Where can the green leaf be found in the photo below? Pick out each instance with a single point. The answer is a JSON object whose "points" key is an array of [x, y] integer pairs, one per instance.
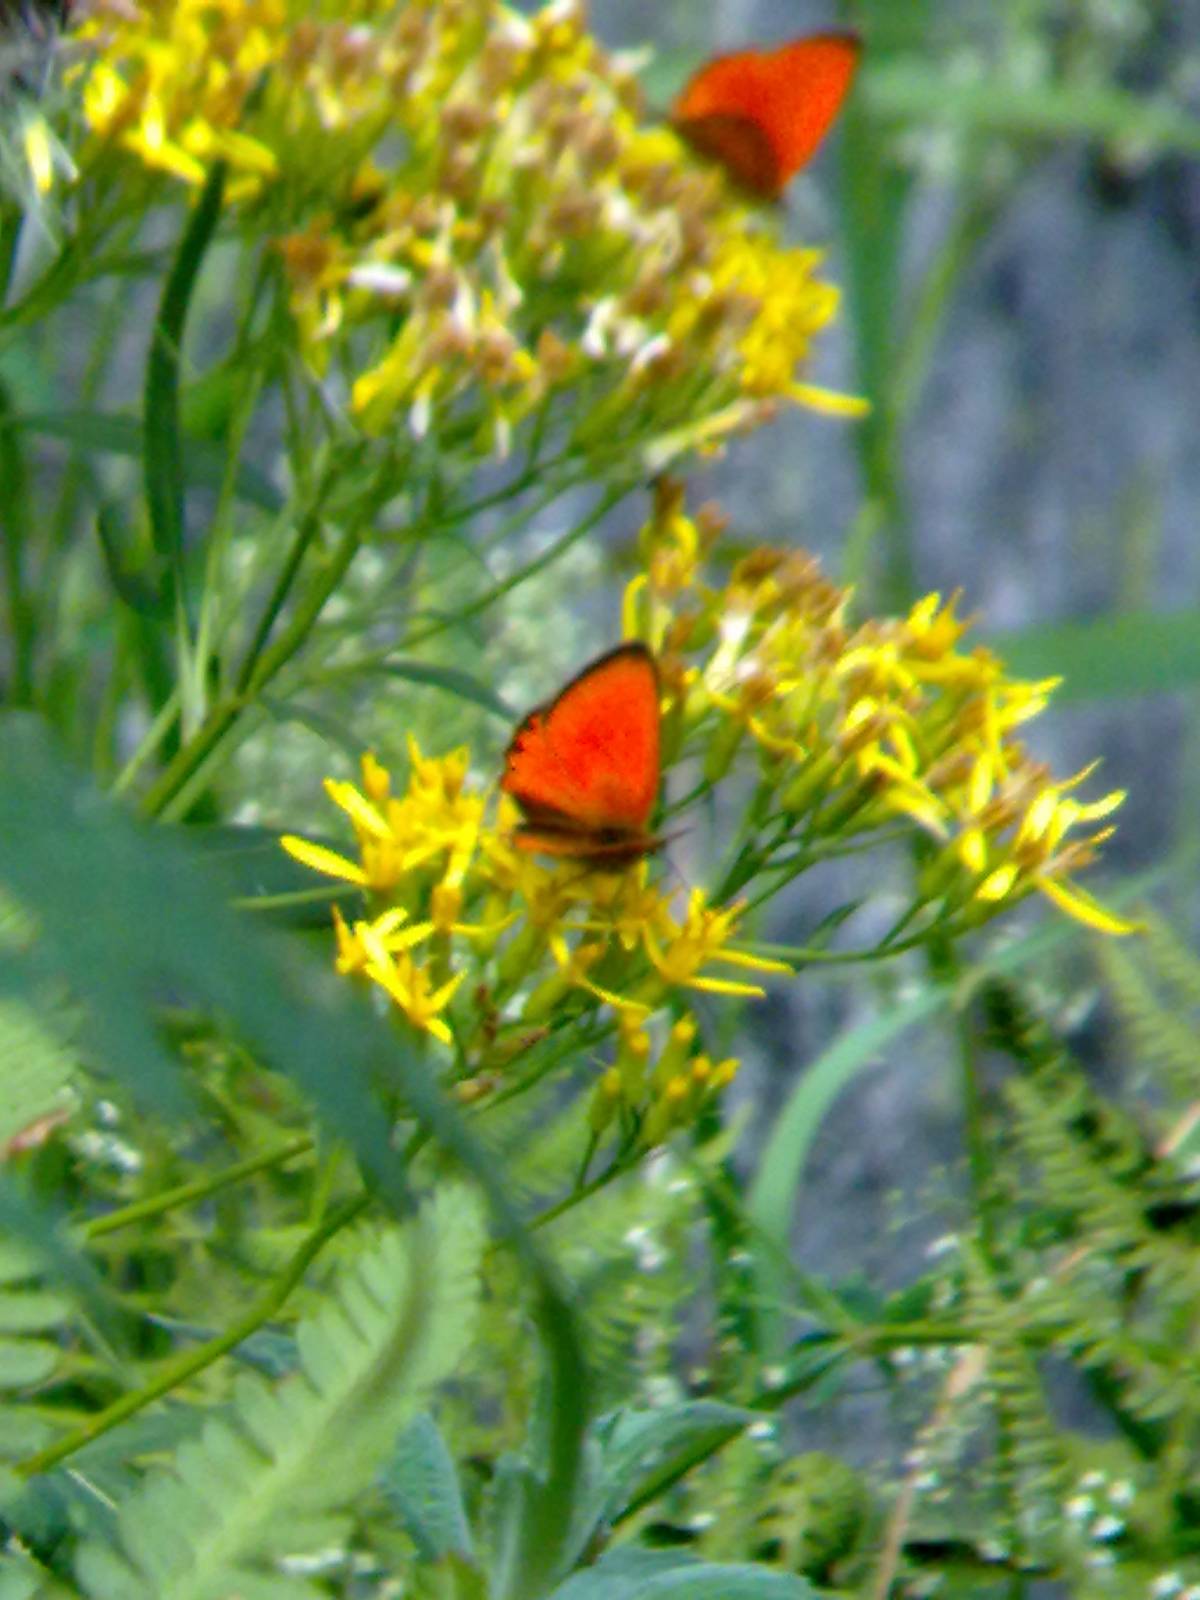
{"points": [[125, 913], [35, 1069], [422, 1483], [16, 531], [670, 1575], [451, 1578], [772, 1196], [27, 1308], [261, 875], [280, 1475], [24, 1362], [164, 457], [23, 1578], [1110, 658], [156, 917], [641, 1452], [33, 1311], [35, 1243]]}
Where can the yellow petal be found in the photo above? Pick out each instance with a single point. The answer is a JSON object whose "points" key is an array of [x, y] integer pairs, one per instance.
{"points": [[320, 859], [751, 991], [358, 808], [1086, 910], [997, 885], [829, 401]]}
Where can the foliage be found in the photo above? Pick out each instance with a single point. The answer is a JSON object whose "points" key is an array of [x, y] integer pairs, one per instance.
{"points": [[373, 1215]]}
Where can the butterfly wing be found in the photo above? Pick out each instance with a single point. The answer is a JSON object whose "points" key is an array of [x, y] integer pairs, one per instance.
{"points": [[585, 768], [763, 113]]}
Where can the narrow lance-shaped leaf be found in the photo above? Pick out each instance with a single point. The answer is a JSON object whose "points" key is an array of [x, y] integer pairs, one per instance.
{"points": [[163, 460]]}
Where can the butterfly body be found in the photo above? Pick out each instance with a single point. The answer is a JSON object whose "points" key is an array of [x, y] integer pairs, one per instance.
{"points": [[585, 767], [762, 113]]}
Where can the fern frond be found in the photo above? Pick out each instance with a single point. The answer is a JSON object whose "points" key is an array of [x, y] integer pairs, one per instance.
{"points": [[1030, 1467], [1174, 962], [628, 1253], [30, 1318], [276, 1478], [1160, 1037], [35, 1069], [542, 1154], [1126, 1281]]}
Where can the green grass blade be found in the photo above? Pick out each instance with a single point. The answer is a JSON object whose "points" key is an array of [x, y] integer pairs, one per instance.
{"points": [[136, 589], [1111, 657], [907, 90], [773, 1195]]}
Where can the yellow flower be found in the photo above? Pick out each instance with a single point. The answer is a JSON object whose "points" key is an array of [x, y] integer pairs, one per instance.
{"points": [[172, 84], [680, 950], [411, 987], [380, 950], [858, 730], [372, 943], [436, 822], [39, 153]]}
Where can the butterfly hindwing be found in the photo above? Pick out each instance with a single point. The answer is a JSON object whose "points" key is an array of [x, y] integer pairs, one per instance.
{"points": [[585, 768]]}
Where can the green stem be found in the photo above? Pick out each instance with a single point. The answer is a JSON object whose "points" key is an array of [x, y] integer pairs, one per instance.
{"points": [[529, 570], [586, 1190], [225, 714], [978, 1154], [803, 956], [309, 528], [947, 969], [182, 1367], [154, 736], [186, 761], [198, 1189]]}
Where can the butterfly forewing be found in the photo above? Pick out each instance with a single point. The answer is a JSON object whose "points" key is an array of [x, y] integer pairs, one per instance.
{"points": [[585, 768], [763, 113]]}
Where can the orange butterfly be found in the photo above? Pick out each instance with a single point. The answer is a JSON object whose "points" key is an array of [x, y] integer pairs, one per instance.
{"points": [[585, 767], [762, 113]]}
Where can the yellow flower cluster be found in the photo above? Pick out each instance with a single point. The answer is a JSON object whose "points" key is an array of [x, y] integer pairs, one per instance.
{"points": [[856, 724], [663, 1094], [471, 212], [542, 942], [856, 729]]}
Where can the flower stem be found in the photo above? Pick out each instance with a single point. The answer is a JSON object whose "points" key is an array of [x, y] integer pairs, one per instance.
{"points": [[198, 1189], [225, 713], [182, 1367]]}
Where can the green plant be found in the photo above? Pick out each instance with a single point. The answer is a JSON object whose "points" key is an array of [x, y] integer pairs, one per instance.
{"points": [[407, 1251]]}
